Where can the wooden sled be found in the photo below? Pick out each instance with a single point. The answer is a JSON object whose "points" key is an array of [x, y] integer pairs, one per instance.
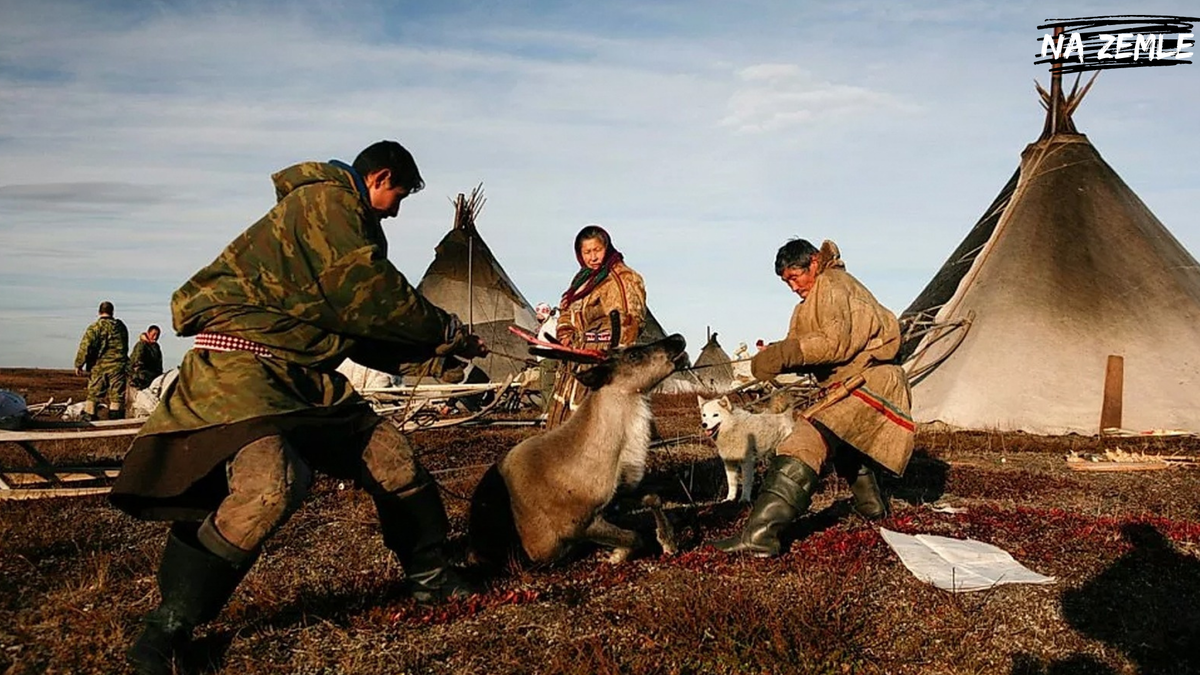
{"points": [[42, 478]]}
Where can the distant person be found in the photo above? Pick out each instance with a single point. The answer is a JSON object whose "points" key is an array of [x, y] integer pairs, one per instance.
{"points": [[759, 345], [229, 453], [145, 361], [604, 283], [547, 317], [838, 331], [104, 356]]}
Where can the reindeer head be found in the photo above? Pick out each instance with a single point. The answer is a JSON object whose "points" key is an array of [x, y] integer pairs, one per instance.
{"points": [[636, 369]]}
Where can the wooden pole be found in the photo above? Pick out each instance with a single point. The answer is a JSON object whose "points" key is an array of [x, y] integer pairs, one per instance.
{"points": [[1114, 391], [1055, 88]]}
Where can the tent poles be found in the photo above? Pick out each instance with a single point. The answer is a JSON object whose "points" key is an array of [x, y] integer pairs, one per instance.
{"points": [[1055, 103]]}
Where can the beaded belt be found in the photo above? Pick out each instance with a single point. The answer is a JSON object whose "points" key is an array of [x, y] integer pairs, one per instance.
{"points": [[598, 336], [219, 342]]}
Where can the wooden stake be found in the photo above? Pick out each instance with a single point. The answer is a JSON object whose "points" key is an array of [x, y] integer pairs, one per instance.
{"points": [[1114, 391]]}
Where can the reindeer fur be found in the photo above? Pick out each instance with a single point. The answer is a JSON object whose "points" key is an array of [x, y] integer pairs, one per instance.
{"points": [[556, 485]]}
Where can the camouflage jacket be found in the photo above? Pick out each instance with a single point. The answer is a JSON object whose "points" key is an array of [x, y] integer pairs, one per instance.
{"points": [[311, 283], [104, 346], [145, 363]]}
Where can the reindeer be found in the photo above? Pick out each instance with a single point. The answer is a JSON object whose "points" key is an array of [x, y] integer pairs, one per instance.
{"points": [[550, 491]]}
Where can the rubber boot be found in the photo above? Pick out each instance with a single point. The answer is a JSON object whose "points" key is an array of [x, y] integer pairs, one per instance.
{"points": [[868, 498], [115, 413], [195, 584], [869, 501], [415, 527], [786, 494]]}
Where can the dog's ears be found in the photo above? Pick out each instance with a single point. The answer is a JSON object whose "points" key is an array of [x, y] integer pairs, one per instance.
{"points": [[700, 400], [725, 403], [597, 376]]}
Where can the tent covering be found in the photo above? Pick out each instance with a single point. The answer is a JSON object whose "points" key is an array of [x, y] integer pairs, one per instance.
{"points": [[1065, 268], [714, 368], [466, 279]]}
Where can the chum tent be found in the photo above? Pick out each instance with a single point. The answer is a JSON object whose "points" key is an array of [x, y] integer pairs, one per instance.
{"points": [[466, 279], [679, 382], [713, 366], [1066, 268]]}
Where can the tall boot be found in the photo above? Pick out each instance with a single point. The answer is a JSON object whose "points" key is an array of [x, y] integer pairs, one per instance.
{"points": [[116, 412], [195, 584], [786, 494], [415, 527], [869, 501]]}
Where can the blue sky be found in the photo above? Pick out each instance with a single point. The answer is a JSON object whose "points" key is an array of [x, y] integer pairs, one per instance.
{"points": [[137, 139]]}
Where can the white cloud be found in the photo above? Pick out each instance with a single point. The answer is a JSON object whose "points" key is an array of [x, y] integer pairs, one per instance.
{"points": [[776, 96]]}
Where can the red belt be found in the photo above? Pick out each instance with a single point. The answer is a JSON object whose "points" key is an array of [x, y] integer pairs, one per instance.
{"points": [[219, 342]]}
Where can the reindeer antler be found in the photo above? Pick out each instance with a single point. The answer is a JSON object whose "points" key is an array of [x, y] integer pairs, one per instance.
{"points": [[557, 350]]}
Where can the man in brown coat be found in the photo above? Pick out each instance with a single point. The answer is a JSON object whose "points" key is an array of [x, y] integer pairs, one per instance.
{"points": [[838, 331]]}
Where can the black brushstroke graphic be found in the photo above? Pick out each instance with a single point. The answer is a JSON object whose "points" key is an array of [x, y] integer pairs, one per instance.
{"points": [[1090, 28]]}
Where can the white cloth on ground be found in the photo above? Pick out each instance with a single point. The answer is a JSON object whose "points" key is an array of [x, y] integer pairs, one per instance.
{"points": [[959, 565]]}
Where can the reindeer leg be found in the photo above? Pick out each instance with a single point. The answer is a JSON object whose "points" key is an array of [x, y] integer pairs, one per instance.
{"points": [[662, 527], [622, 541]]}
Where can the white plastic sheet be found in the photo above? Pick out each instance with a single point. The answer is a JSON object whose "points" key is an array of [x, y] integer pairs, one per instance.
{"points": [[959, 565]]}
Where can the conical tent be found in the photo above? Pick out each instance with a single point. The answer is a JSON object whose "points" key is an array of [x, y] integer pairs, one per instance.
{"points": [[678, 382], [713, 366], [465, 278], [651, 330], [1066, 268]]}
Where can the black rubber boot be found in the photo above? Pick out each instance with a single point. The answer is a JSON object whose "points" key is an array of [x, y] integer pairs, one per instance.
{"points": [[868, 499], [415, 528], [195, 584], [786, 494]]}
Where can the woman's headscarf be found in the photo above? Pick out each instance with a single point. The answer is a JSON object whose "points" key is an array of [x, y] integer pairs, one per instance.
{"points": [[587, 279]]}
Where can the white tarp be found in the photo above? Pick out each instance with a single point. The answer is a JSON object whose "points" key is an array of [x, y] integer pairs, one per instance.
{"points": [[959, 565], [362, 377], [147, 399]]}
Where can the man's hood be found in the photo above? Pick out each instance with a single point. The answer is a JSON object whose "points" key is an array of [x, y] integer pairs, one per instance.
{"points": [[312, 173]]}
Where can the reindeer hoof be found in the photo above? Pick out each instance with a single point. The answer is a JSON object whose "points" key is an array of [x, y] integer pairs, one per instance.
{"points": [[619, 555]]}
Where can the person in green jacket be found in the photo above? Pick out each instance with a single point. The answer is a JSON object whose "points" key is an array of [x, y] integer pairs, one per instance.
{"points": [[103, 357], [229, 452], [145, 361]]}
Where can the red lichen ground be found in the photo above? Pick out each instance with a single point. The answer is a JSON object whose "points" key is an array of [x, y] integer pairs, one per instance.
{"points": [[75, 574]]}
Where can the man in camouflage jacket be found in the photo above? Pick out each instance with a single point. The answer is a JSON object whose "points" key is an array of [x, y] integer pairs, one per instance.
{"points": [[145, 361], [228, 454], [103, 355], [838, 332]]}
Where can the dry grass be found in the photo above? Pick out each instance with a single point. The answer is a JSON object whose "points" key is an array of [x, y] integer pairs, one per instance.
{"points": [[75, 575]]}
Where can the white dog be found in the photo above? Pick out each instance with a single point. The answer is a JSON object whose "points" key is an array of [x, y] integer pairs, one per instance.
{"points": [[742, 438]]}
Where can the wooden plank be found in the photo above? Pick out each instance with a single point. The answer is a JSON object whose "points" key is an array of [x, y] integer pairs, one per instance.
{"points": [[20, 436], [19, 495], [1114, 392], [24, 477], [42, 425], [1117, 466]]}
